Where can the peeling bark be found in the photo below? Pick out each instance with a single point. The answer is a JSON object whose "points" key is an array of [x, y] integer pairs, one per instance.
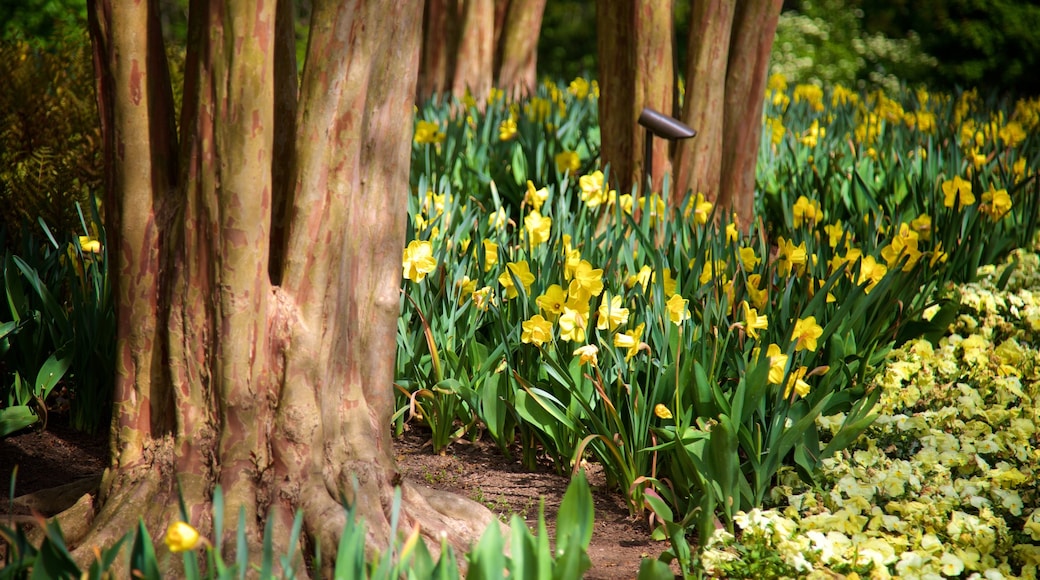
{"points": [[257, 268]]}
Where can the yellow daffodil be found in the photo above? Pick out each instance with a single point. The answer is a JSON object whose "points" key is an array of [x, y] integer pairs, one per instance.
{"points": [[498, 218], [996, 203], [642, 277], [587, 281], [611, 314], [89, 245], [662, 412], [483, 298], [570, 264], [507, 129], [670, 284], [587, 354], [791, 257], [567, 162], [537, 330], [834, 233], [753, 322], [700, 208], [490, 255], [466, 288], [922, 226], [777, 364], [536, 197], [957, 191], [758, 296], [552, 300], [573, 323], [796, 382], [593, 190], [579, 87], [182, 537], [428, 132], [629, 341], [805, 334], [418, 260], [806, 212], [520, 271], [870, 273], [678, 309], [749, 259], [537, 228]]}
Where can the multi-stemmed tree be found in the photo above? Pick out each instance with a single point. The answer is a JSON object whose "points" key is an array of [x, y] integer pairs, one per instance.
{"points": [[256, 250]]}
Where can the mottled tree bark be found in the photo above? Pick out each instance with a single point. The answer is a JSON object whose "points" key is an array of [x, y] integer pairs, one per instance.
{"points": [[518, 47], [634, 40], [475, 59], [475, 44], [728, 61], [272, 380]]}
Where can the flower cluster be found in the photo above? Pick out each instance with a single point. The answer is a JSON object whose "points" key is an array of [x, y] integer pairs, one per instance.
{"points": [[944, 483]]}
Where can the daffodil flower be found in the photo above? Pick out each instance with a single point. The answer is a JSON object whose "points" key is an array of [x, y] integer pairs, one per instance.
{"points": [[418, 260], [181, 537], [536, 331], [805, 334]]}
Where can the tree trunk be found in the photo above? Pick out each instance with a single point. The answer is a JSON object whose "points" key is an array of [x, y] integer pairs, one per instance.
{"points": [[270, 380], [634, 40], [754, 29], [728, 60], [518, 47], [698, 161], [471, 44], [474, 63]]}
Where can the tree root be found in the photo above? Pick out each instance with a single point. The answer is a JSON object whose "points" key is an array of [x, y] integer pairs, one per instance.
{"points": [[442, 518]]}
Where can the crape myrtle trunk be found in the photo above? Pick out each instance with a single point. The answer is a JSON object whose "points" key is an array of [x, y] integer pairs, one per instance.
{"points": [[257, 267], [725, 76]]}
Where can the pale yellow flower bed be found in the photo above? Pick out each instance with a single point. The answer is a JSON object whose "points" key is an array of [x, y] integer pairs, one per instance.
{"points": [[944, 484]]}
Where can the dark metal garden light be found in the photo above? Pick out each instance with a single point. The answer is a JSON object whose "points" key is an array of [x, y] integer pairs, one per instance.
{"points": [[663, 126]]}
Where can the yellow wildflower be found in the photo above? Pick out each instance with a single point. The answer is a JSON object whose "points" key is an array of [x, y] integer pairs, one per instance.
{"points": [[996, 203], [537, 228], [522, 272], [629, 341], [662, 412], [805, 334], [536, 197], [567, 162], [182, 537], [701, 209], [957, 191], [552, 300], [587, 354], [593, 190], [507, 129], [806, 212], [428, 132], [418, 261], [490, 254], [678, 309], [796, 382], [752, 321], [587, 281], [573, 323], [612, 314], [536, 331]]}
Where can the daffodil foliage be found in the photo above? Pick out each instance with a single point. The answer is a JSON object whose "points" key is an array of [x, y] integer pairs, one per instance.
{"points": [[699, 360]]}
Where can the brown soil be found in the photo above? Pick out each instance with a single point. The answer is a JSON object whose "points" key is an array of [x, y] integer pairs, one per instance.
{"points": [[478, 471]]}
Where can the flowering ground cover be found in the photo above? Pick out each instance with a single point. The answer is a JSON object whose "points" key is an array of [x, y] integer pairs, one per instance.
{"points": [[707, 365], [944, 483]]}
